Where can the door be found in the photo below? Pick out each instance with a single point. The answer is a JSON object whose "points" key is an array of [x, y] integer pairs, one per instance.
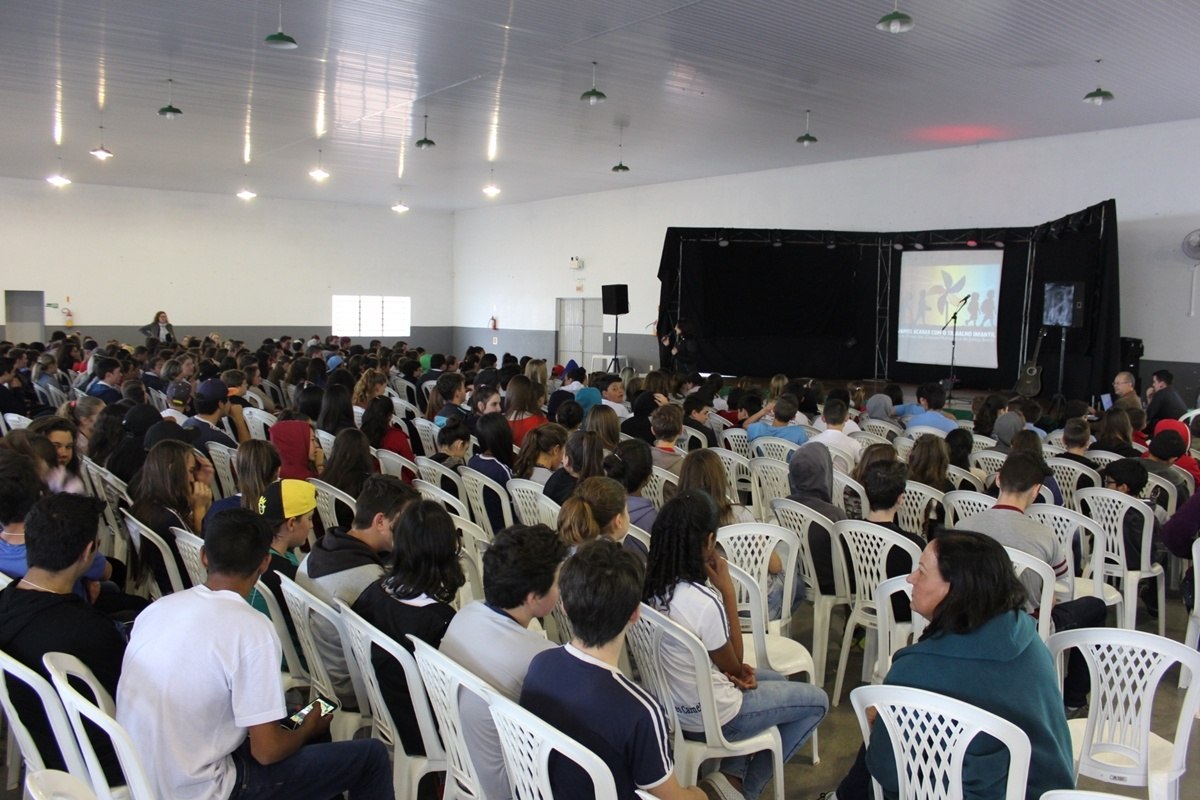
{"points": [[580, 331], [24, 316]]}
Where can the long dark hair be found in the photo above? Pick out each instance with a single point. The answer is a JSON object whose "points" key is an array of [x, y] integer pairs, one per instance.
{"points": [[631, 464], [677, 543], [425, 548], [495, 437], [982, 583], [377, 419], [336, 412], [164, 482], [350, 462], [542, 439], [585, 454]]}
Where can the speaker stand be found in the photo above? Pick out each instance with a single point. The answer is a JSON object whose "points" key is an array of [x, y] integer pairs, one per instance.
{"points": [[1062, 354], [614, 366]]}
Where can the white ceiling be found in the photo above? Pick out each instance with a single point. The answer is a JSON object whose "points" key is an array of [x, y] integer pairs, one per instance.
{"points": [[706, 87]]}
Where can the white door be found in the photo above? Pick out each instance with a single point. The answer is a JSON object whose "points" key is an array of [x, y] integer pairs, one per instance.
{"points": [[24, 317], [580, 330]]}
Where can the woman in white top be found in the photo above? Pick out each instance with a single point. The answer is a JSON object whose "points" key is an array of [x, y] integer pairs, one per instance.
{"points": [[541, 453], [683, 561]]}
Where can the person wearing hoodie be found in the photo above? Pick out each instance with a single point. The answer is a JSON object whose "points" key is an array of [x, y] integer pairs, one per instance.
{"points": [[130, 452], [980, 648], [810, 473], [1008, 425], [41, 613], [300, 454], [344, 562]]}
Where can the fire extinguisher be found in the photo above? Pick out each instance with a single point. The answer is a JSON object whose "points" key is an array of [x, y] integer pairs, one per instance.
{"points": [[68, 317]]}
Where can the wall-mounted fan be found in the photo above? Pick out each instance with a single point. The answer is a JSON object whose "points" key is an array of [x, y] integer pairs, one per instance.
{"points": [[1191, 249]]}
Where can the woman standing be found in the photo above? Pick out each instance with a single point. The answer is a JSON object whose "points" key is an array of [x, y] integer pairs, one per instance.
{"points": [[160, 329]]}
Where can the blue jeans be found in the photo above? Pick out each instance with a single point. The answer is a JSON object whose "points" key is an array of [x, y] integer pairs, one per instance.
{"points": [[317, 771], [795, 708]]}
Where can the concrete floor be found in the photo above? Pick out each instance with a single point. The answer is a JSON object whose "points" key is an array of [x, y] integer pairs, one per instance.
{"points": [[840, 736]]}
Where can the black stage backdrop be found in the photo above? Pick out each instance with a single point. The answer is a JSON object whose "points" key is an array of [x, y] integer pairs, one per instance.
{"points": [[810, 302]]}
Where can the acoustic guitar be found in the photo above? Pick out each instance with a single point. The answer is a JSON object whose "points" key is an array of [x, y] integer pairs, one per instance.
{"points": [[1029, 383]]}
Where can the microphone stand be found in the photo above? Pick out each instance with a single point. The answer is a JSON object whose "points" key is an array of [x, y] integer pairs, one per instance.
{"points": [[953, 321]]}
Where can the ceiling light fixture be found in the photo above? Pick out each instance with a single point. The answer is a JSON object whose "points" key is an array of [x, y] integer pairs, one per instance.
{"points": [[593, 96], [280, 40], [1098, 97], [620, 165], [319, 174], [424, 143], [169, 111], [807, 138], [400, 208], [57, 179], [895, 22], [491, 190], [102, 153], [247, 195]]}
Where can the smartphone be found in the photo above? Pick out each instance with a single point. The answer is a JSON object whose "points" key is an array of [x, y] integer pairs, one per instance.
{"points": [[295, 720]]}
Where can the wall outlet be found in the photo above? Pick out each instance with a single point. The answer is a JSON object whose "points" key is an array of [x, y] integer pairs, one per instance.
{"points": [[495, 340]]}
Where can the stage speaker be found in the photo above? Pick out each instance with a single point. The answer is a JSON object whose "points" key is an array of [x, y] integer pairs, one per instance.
{"points": [[1062, 304], [616, 298], [1131, 359]]}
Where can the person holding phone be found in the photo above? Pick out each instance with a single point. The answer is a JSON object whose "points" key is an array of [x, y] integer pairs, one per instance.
{"points": [[201, 696]]}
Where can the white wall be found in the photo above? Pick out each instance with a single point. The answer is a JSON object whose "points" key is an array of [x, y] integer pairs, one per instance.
{"points": [[120, 254], [515, 259]]}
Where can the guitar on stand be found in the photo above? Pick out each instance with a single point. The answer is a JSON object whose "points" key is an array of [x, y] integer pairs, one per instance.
{"points": [[1029, 382]]}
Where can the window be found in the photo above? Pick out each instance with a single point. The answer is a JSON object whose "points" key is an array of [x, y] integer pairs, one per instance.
{"points": [[371, 315]]}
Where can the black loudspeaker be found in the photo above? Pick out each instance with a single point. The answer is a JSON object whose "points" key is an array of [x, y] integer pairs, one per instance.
{"points": [[616, 298], [1131, 359], [1062, 304]]}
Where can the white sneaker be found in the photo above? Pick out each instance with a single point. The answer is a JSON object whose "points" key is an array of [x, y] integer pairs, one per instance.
{"points": [[718, 787]]}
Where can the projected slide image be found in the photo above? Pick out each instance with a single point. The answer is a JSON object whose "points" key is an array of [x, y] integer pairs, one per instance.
{"points": [[933, 285]]}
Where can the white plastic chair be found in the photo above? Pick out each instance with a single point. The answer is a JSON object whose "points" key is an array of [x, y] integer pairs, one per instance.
{"points": [[327, 499], [737, 472], [958, 476], [113, 491], [961, 505], [477, 484], [395, 464], [691, 439], [799, 519], [141, 535], [867, 438], [189, 545], [16, 422], [549, 510], [474, 542], [303, 606], [447, 684], [930, 734], [988, 460], [904, 446], [1103, 458], [1070, 474], [843, 484], [894, 635], [646, 639], [655, 489], [431, 491], [405, 409], [1166, 488], [1067, 524], [868, 545], [60, 726], [1191, 637], [1115, 743], [221, 457], [1079, 794], [258, 422], [749, 545], [735, 439], [524, 494], [882, 427], [441, 476], [1109, 508], [773, 447], [527, 743], [325, 439], [980, 442], [293, 666], [427, 431], [770, 480], [1023, 561], [53, 784], [359, 639], [919, 504], [100, 713], [917, 431], [639, 536]]}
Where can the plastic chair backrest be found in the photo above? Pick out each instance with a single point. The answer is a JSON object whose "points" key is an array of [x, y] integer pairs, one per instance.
{"points": [[962, 505], [655, 489], [930, 734], [1126, 668], [404, 408], [869, 545], [867, 438], [917, 431], [141, 534], [639, 536], [53, 784], [524, 494], [427, 431], [549, 511], [16, 422], [1065, 523], [477, 484], [258, 421], [691, 439], [302, 605], [527, 743], [326, 439], [60, 726], [882, 427], [439, 474], [843, 483], [291, 659], [446, 682], [958, 476], [327, 499], [749, 546], [735, 439], [360, 638], [771, 475], [222, 461], [1069, 473], [1023, 561], [980, 442], [395, 464], [737, 471], [1103, 458], [919, 503], [1189, 480], [893, 635], [904, 446], [1054, 437], [773, 447], [62, 667], [436, 493], [1164, 486], [1109, 508], [799, 518], [189, 545]]}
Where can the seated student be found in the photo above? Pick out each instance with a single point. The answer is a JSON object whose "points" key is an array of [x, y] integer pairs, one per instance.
{"points": [[520, 584], [1128, 476], [638, 423], [597, 509], [414, 598], [541, 453], [201, 698], [1137, 421], [43, 613], [810, 476], [107, 380], [1116, 434], [683, 561], [569, 415], [1076, 437], [447, 398], [849, 426], [1186, 462], [344, 562], [1166, 448], [286, 507], [605, 423], [785, 410], [835, 430], [931, 398], [696, 408], [179, 399], [667, 423], [453, 440], [256, 465], [378, 424], [583, 457], [300, 453], [494, 459], [631, 464], [579, 689], [884, 482], [522, 408], [212, 406], [612, 394]]}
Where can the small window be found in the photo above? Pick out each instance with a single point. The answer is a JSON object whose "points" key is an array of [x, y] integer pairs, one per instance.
{"points": [[371, 315]]}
